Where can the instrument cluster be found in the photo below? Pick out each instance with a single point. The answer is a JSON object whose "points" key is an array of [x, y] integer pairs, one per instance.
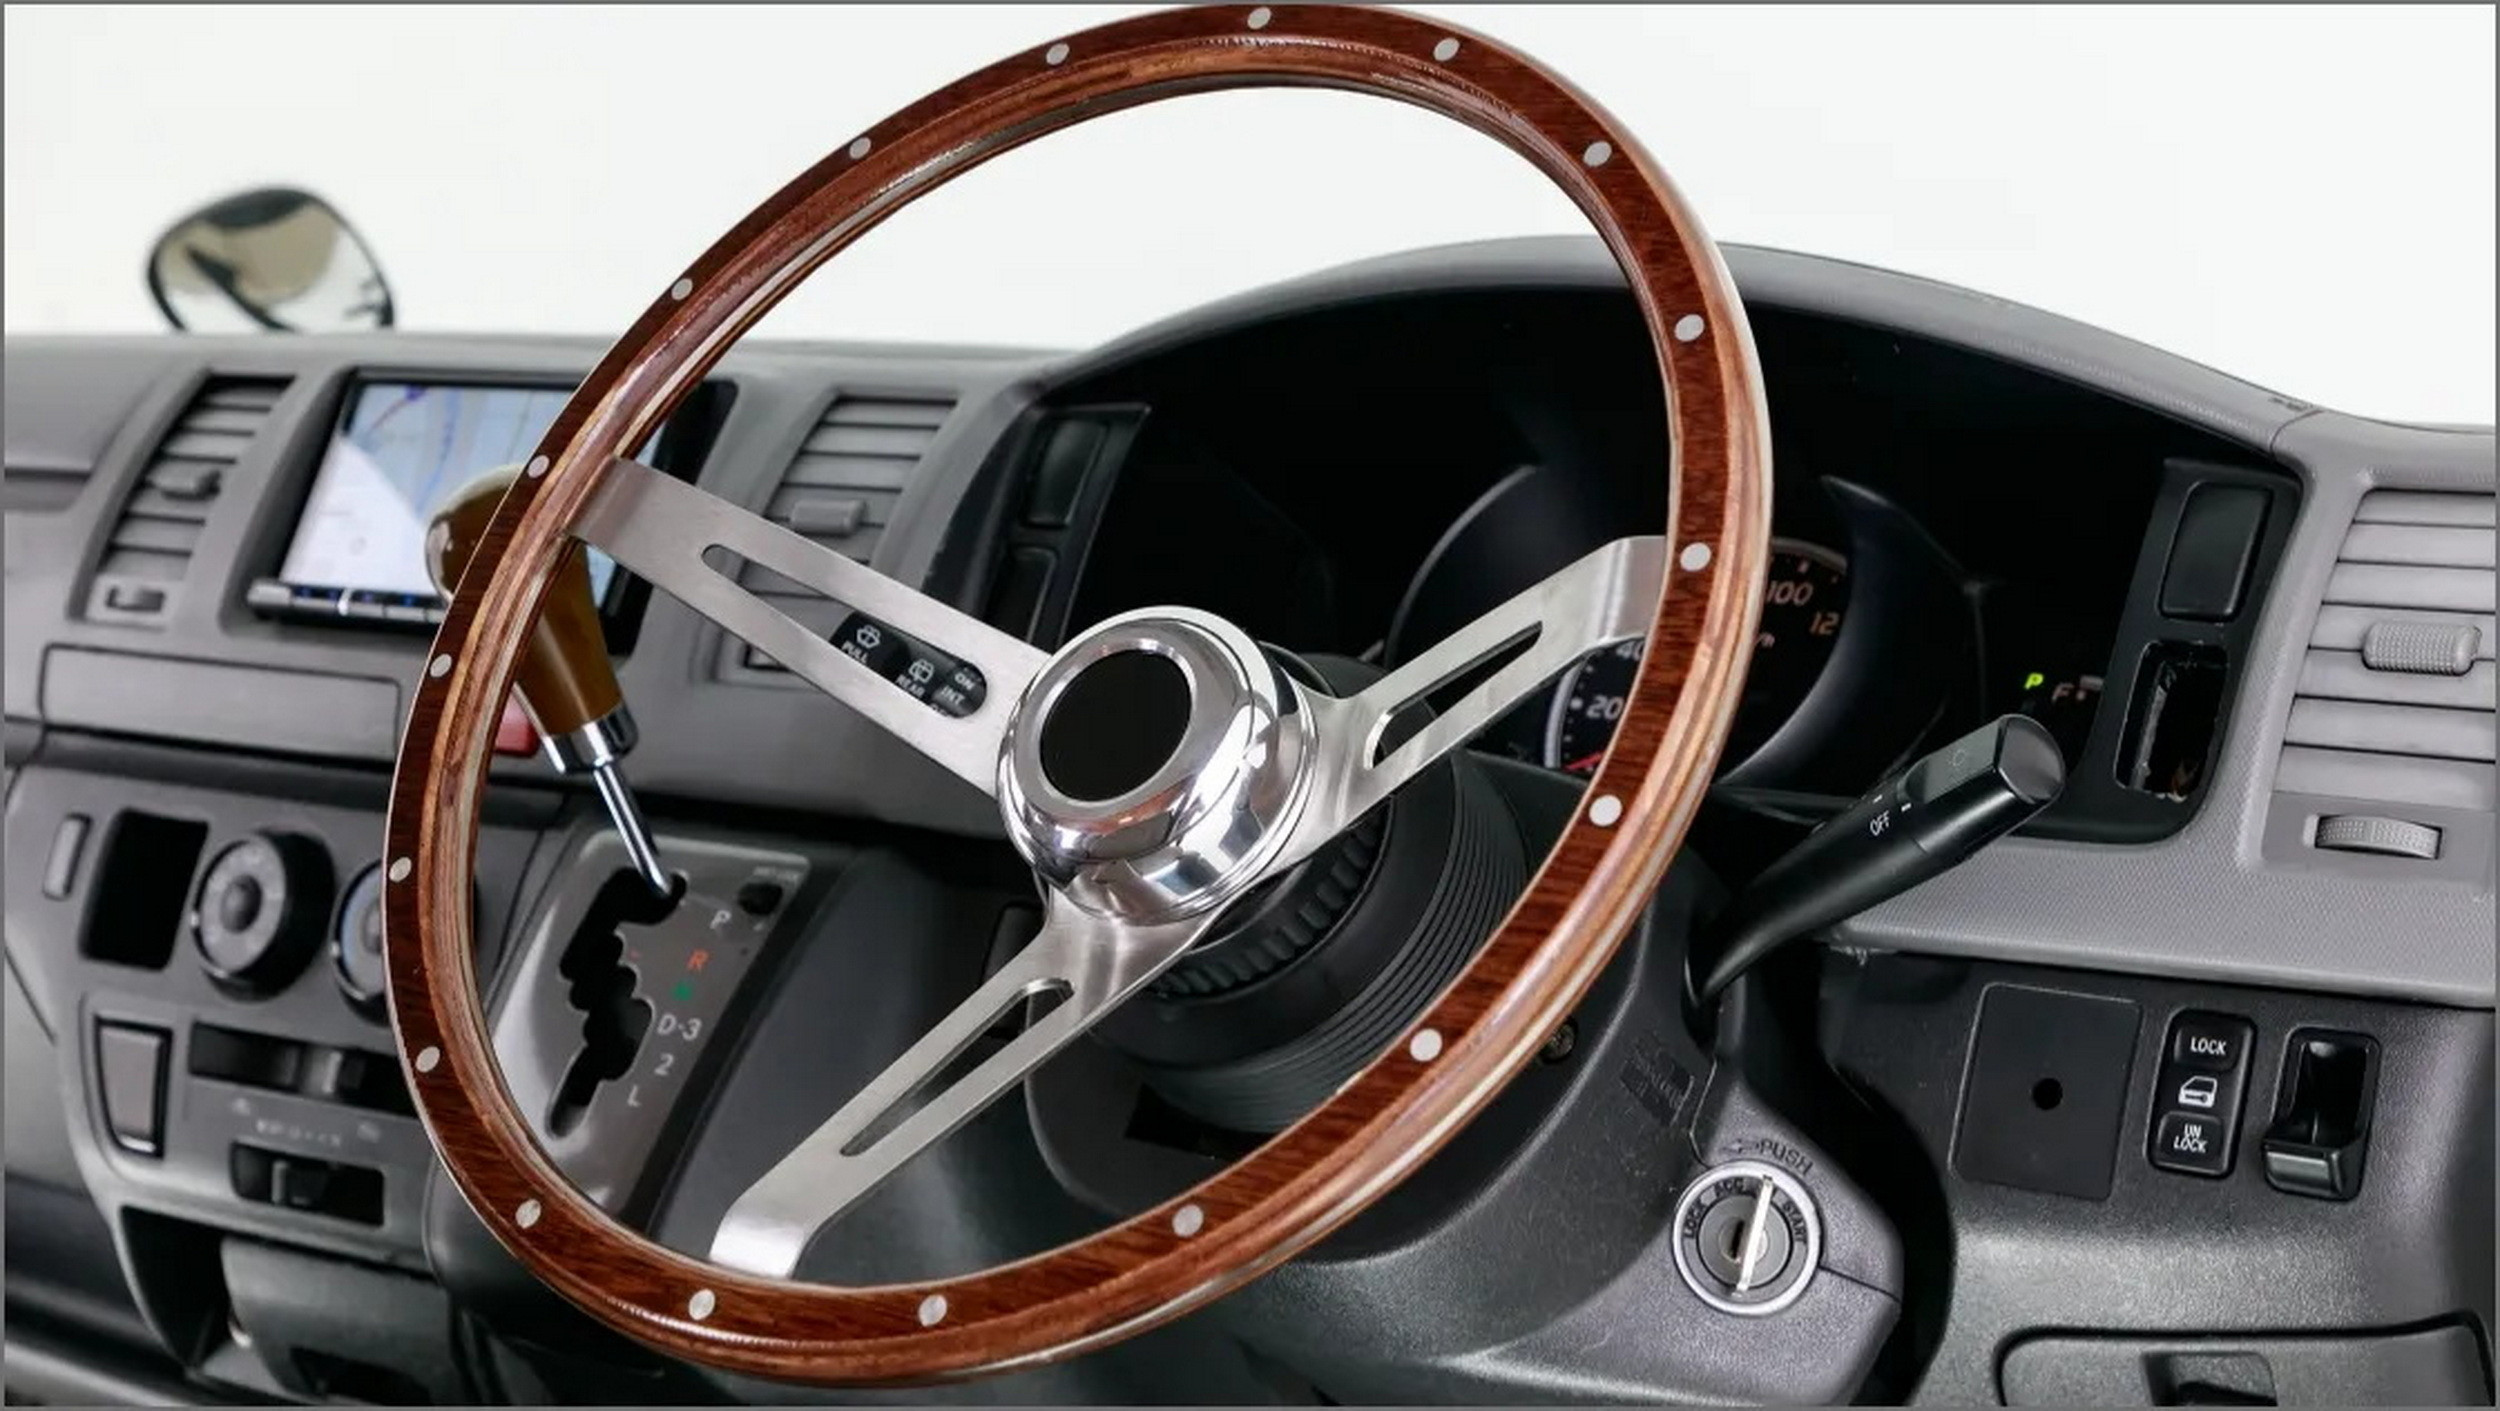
{"points": [[1874, 639]]}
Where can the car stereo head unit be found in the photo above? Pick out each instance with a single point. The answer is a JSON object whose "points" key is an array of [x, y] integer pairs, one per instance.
{"points": [[400, 448]]}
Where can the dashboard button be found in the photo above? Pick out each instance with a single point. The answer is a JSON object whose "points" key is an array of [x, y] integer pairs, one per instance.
{"points": [[2213, 1043], [760, 898], [60, 870], [2192, 1142], [2389, 837], [2213, 552], [130, 1079]]}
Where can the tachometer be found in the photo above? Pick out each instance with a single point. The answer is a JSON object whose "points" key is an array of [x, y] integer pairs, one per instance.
{"points": [[1802, 608]]}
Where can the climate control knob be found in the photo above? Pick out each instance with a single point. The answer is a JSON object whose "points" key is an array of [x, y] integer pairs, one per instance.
{"points": [[356, 944], [261, 910]]}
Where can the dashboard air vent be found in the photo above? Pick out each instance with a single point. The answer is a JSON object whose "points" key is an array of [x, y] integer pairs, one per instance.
{"points": [[840, 491], [842, 486], [160, 524], [2395, 697]]}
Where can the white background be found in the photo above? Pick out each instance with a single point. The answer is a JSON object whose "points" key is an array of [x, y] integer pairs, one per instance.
{"points": [[2301, 196]]}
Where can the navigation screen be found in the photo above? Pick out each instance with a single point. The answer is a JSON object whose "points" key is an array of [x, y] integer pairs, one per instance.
{"points": [[401, 449]]}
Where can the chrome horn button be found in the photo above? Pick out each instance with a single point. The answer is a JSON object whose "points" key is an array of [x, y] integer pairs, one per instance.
{"points": [[1153, 763]]}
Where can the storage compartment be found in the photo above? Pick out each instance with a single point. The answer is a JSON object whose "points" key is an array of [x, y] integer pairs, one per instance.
{"points": [[325, 1328], [2321, 1132], [2173, 719], [140, 888]]}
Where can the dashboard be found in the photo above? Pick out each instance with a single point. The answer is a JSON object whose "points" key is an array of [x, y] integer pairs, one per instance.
{"points": [[1921, 581], [215, 603]]}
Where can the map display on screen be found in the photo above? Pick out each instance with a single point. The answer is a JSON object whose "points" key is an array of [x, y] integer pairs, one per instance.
{"points": [[400, 451]]}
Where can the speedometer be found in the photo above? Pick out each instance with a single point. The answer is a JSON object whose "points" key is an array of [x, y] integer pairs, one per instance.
{"points": [[1802, 608]]}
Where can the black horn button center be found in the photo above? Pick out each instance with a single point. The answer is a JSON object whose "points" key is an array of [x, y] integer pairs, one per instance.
{"points": [[1115, 724]]}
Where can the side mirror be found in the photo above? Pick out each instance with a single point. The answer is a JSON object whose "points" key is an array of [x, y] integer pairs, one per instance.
{"points": [[271, 258]]}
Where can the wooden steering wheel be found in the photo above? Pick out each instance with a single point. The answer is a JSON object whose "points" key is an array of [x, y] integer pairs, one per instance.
{"points": [[1259, 770]]}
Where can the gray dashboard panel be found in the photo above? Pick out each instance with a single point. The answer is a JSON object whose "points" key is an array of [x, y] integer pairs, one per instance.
{"points": [[2207, 902], [2211, 901]]}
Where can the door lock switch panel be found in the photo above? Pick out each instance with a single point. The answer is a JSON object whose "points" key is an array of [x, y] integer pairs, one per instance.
{"points": [[2197, 1092]]}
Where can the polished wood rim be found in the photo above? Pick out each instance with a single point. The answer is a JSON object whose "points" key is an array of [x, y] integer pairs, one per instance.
{"points": [[1320, 1172]]}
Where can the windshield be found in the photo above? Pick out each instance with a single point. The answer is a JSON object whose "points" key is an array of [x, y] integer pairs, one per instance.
{"points": [[2300, 196]]}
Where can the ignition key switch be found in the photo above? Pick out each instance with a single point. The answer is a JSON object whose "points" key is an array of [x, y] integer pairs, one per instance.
{"points": [[1747, 1238]]}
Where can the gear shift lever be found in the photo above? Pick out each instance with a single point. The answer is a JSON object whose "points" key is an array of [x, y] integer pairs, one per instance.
{"points": [[565, 681]]}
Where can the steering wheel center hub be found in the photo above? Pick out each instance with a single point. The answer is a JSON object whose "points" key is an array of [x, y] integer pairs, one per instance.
{"points": [[1152, 764]]}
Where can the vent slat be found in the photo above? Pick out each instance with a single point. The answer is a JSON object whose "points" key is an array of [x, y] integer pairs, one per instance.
{"points": [[2395, 779], [170, 536], [900, 442], [2433, 546], [851, 472], [2342, 676], [883, 411], [227, 446], [134, 563], [2389, 586], [2391, 729], [239, 421], [257, 394], [2424, 507], [149, 503]]}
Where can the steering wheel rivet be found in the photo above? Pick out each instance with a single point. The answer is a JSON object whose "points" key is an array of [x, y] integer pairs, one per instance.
{"points": [[1260, 16], [1445, 51], [1695, 558], [536, 468], [933, 1310], [1607, 811], [528, 1214], [701, 1305], [440, 664], [1688, 328], [400, 868], [1425, 1046], [1055, 55], [1597, 153], [681, 288], [428, 1057], [859, 147], [1188, 1220]]}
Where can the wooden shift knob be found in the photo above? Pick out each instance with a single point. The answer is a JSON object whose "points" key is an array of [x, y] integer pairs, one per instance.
{"points": [[565, 678]]}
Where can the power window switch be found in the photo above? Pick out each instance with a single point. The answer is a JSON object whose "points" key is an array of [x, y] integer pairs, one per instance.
{"points": [[130, 1080]]}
